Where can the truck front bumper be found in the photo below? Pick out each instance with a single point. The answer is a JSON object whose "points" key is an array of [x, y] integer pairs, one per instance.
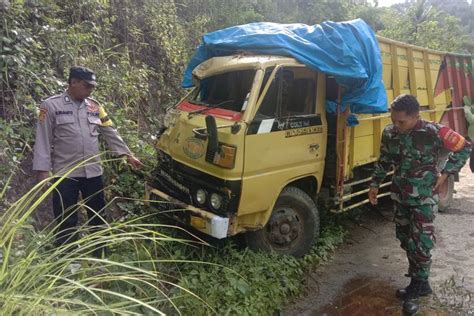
{"points": [[204, 221]]}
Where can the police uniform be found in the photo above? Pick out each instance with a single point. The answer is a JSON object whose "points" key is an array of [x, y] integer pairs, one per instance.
{"points": [[415, 156], [66, 135]]}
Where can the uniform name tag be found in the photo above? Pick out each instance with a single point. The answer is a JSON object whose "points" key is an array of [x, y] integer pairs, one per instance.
{"points": [[63, 113]]}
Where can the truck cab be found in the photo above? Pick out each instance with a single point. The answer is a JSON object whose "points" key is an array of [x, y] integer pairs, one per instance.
{"points": [[250, 148], [245, 151]]}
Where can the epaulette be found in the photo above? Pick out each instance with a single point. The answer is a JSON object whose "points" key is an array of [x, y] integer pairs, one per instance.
{"points": [[51, 98], [94, 101], [390, 128], [433, 127]]}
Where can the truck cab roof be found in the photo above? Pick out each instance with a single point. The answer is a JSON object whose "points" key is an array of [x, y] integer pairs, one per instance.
{"points": [[218, 65]]}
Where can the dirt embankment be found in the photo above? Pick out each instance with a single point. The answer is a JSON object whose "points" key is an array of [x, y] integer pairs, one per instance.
{"points": [[23, 181], [366, 270]]}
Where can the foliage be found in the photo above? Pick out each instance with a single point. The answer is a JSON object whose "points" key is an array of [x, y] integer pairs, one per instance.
{"points": [[14, 143], [464, 11], [139, 49], [371, 15], [424, 25], [262, 281], [148, 271], [252, 283], [37, 277]]}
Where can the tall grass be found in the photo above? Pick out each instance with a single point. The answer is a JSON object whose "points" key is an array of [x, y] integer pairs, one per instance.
{"points": [[147, 272], [39, 278]]}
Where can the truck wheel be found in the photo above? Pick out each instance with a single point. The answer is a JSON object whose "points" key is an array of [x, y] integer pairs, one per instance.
{"points": [[293, 227], [446, 192]]}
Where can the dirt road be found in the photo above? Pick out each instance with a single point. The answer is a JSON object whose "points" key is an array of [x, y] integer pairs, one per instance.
{"points": [[365, 271]]}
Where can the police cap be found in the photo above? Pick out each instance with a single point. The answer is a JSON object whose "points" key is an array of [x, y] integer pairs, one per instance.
{"points": [[83, 73]]}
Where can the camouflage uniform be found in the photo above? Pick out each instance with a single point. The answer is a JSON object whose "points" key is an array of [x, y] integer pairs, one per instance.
{"points": [[415, 156]]}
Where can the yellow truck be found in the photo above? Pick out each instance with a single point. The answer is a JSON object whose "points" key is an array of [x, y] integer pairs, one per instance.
{"points": [[251, 148]]}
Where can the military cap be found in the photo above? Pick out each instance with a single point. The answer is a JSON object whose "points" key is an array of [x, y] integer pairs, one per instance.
{"points": [[82, 73]]}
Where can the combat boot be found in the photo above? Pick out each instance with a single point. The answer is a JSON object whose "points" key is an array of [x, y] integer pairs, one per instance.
{"points": [[402, 293], [419, 288], [423, 289], [410, 307]]}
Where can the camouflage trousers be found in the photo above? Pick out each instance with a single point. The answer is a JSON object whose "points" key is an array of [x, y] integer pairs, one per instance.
{"points": [[415, 230]]}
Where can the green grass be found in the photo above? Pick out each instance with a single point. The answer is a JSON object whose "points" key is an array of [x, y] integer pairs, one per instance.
{"points": [[37, 278], [251, 283], [153, 268]]}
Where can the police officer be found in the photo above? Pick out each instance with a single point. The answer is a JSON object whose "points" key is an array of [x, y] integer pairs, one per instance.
{"points": [[413, 146], [67, 134]]}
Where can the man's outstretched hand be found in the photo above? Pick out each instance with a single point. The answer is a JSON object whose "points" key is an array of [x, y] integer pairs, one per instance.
{"points": [[373, 195], [134, 162], [440, 181]]}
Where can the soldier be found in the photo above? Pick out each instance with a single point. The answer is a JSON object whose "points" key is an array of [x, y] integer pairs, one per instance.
{"points": [[413, 146], [67, 134]]}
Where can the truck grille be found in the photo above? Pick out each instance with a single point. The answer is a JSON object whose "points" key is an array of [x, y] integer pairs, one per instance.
{"points": [[181, 182]]}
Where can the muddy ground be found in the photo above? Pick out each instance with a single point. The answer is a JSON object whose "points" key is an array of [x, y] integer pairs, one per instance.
{"points": [[365, 271]]}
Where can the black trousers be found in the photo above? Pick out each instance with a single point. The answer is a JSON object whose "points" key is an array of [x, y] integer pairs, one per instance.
{"points": [[65, 207]]}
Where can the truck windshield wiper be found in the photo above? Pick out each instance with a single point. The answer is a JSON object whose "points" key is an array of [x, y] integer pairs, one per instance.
{"points": [[190, 114]]}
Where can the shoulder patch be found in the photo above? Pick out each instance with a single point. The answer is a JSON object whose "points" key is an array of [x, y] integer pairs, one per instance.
{"points": [[434, 127], [93, 101], [42, 114], [92, 106], [451, 140]]}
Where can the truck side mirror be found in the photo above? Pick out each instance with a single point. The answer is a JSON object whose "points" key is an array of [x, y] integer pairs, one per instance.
{"points": [[212, 138]]}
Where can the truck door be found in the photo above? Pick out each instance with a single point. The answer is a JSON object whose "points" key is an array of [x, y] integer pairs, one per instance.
{"points": [[285, 140]]}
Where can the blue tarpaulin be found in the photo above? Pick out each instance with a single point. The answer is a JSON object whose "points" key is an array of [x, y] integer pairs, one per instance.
{"points": [[347, 50]]}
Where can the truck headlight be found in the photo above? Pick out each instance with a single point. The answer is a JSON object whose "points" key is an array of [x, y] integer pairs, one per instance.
{"points": [[216, 201], [201, 196]]}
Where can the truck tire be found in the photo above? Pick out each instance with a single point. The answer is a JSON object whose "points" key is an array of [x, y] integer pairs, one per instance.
{"points": [[293, 227], [446, 192]]}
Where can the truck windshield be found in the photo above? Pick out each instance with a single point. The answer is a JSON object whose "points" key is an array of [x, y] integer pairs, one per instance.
{"points": [[228, 91]]}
